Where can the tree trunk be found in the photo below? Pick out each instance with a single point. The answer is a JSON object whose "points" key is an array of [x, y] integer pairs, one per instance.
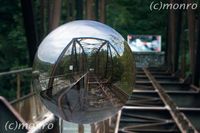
{"points": [[97, 9], [70, 10], [191, 36], [43, 16], [102, 11], [90, 9], [54, 14], [197, 59], [29, 28], [79, 9]]}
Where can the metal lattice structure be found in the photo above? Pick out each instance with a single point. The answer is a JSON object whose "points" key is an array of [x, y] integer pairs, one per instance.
{"points": [[161, 102]]}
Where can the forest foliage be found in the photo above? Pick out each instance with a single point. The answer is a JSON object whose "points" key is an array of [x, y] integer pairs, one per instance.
{"points": [[126, 16]]}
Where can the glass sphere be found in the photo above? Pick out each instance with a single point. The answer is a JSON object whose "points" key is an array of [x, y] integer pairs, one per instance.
{"points": [[84, 71]]}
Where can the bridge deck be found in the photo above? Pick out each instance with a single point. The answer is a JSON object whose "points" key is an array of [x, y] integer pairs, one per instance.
{"points": [[161, 102]]}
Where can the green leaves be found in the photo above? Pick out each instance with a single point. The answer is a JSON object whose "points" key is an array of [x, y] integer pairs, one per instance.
{"points": [[12, 39], [135, 17]]}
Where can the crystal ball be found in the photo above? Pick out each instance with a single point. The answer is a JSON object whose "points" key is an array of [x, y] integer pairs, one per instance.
{"points": [[84, 71]]}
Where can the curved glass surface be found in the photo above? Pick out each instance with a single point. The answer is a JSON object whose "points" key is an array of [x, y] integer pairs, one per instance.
{"points": [[84, 71]]}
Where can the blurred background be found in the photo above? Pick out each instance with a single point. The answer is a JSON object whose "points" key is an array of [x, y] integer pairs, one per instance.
{"points": [[24, 23]]}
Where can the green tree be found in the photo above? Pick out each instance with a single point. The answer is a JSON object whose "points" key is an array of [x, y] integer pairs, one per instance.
{"points": [[135, 17]]}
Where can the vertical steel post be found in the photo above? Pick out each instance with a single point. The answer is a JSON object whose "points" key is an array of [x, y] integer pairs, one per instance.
{"points": [[178, 38], [167, 42], [173, 37], [191, 35], [197, 60], [18, 86]]}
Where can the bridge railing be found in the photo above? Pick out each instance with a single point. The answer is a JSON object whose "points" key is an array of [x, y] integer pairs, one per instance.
{"points": [[19, 81], [24, 101], [32, 110]]}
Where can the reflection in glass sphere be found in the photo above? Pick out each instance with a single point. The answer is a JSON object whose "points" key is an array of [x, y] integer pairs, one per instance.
{"points": [[84, 71]]}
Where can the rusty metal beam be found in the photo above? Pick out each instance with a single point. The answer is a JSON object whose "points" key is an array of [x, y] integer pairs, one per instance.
{"points": [[181, 120], [16, 71], [171, 38], [146, 119]]}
